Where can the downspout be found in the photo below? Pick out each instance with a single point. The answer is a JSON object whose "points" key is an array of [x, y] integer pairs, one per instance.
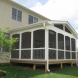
{"points": [[47, 57]]}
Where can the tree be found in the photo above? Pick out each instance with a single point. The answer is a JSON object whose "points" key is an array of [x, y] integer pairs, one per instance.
{"points": [[4, 41]]}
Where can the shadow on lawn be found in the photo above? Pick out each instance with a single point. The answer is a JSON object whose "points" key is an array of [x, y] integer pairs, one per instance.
{"points": [[20, 72], [73, 71]]}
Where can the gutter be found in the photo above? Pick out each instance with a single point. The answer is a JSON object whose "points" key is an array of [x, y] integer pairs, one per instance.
{"points": [[27, 26]]}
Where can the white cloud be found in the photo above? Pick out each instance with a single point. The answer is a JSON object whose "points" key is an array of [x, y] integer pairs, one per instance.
{"points": [[76, 21], [57, 9], [60, 10]]}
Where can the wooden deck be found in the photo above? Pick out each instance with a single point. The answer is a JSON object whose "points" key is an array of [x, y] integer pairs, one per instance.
{"points": [[44, 62]]}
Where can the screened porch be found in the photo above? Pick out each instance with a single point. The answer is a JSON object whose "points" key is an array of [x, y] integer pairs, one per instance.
{"points": [[43, 44]]}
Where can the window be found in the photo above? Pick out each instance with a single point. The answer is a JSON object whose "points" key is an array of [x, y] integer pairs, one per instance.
{"points": [[66, 29], [16, 45], [60, 26], [60, 41], [67, 42], [19, 16], [73, 44], [14, 13], [35, 19], [52, 39], [26, 40], [32, 19], [39, 38]]}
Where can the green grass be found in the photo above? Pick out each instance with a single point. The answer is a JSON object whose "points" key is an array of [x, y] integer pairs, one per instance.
{"points": [[19, 72]]}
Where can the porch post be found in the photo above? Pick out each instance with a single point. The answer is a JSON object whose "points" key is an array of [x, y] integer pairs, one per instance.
{"points": [[32, 45], [64, 48], [46, 44], [46, 48], [20, 45], [76, 52], [64, 44], [56, 46]]}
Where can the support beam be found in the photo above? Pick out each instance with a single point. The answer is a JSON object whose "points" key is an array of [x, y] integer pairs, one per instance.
{"points": [[34, 67], [45, 67], [71, 64], [61, 65]]}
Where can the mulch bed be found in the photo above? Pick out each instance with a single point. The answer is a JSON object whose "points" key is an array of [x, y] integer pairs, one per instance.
{"points": [[2, 74]]}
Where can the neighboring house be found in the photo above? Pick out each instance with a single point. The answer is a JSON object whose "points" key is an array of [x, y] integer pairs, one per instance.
{"points": [[41, 41]]}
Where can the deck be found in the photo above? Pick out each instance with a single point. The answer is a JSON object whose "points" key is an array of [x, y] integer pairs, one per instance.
{"points": [[44, 62]]}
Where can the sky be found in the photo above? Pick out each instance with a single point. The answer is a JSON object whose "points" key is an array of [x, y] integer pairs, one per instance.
{"points": [[66, 10]]}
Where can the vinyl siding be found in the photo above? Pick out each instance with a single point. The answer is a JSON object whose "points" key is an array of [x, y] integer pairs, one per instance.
{"points": [[6, 15]]}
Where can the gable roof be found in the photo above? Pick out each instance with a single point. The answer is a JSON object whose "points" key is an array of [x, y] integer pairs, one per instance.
{"points": [[65, 22]]}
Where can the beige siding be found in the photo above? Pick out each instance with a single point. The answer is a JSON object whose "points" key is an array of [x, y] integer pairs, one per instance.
{"points": [[6, 15]]}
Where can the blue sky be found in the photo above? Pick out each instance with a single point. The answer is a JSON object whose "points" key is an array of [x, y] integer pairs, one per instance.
{"points": [[30, 3], [66, 10]]}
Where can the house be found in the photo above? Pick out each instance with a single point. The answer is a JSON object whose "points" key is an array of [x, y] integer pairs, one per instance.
{"points": [[41, 41]]}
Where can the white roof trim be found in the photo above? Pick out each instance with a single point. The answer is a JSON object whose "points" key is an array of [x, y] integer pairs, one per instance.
{"points": [[28, 26], [64, 22], [42, 23]]}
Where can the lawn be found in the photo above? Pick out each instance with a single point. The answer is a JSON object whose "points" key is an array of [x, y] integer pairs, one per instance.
{"points": [[19, 72]]}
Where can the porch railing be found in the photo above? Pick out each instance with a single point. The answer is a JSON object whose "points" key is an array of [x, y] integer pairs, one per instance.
{"points": [[38, 54]]}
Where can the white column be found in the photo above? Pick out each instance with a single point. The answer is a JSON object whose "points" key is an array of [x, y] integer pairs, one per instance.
{"points": [[46, 44], [64, 49], [56, 46], [32, 45], [46, 48], [76, 52], [20, 45]]}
